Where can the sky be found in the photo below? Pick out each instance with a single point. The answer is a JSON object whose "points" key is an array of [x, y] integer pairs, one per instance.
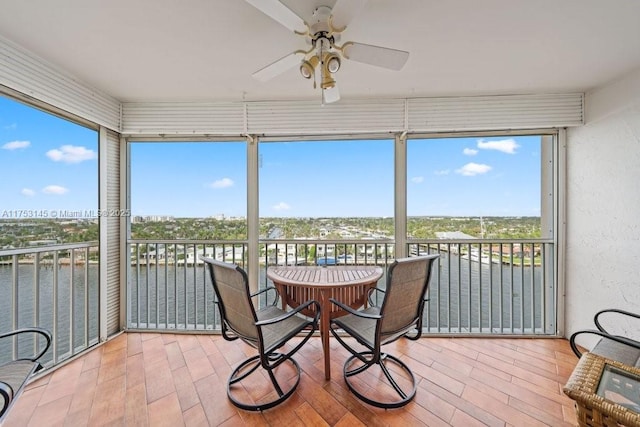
{"points": [[50, 166], [47, 165]]}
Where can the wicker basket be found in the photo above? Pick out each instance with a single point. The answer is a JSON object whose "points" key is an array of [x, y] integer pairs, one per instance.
{"points": [[593, 410]]}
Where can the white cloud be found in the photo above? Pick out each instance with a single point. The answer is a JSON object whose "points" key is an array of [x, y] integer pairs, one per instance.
{"points": [[12, 126], [222, 183], [15, 145], [71, 154], [417, 179], [506, 145], [442, 172], [55, 189], [469, 152], [471, 169], [282, 206], [28, 192]]}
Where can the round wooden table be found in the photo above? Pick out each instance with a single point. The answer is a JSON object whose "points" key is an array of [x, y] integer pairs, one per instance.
{"points": [[347, 284]]}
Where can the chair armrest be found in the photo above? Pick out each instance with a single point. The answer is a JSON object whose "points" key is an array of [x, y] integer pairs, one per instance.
{"points": [[7, 395], [355, 312], [39, 331], [622, 340], [273, 288], [596, 318], [291, 313]]}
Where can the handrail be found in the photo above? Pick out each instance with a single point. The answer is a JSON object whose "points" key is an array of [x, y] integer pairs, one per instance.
{"points": [[186, 242], [48, 248]]}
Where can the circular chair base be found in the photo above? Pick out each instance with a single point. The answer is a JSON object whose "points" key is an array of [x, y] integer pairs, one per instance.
{"points": [[405, 394], [250, 367]]}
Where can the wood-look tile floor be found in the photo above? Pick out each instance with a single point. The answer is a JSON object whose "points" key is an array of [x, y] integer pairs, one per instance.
{"points": [[140, 379]]}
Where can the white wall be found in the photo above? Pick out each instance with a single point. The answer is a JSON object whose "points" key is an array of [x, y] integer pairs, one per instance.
{"points": [[603, 207]]}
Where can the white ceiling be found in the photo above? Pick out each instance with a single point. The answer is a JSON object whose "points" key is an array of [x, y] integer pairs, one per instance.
{"points": [[206, 50]]}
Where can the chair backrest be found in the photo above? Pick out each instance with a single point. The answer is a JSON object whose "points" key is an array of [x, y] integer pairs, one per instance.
{"points": [[403, 303], [231, 286]]}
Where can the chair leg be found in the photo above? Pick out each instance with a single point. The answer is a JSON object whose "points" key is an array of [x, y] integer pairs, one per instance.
{"points": [[247, 368], [405, 394]]}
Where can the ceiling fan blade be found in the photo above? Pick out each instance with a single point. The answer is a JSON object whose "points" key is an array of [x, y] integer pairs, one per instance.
{"points": [[280, 66], [385, 57], [344, 11], [280, 13], [330, 95]]}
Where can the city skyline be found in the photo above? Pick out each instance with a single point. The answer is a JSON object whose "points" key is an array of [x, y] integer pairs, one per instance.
{"points": [[50, 165]]}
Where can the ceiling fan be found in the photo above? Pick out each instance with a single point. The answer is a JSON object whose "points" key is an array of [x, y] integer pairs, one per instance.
{"points": [[324, 56]]}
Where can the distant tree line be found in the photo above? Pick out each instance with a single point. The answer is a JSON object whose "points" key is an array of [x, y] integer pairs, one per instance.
{"points": [[20, 233]]}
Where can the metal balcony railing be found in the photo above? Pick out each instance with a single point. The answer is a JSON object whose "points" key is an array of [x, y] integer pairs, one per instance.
{"points": [[491, 287], [167, 286], [478, 287], [54, 287]]}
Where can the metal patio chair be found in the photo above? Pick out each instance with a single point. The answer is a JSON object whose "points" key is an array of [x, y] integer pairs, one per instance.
{"points": [[16, 373], [372, 327], [267, 329], [616, 347]]}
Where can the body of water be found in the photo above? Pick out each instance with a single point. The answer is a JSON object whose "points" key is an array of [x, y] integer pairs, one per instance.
{"points": [[62, 299], [465, 296]]}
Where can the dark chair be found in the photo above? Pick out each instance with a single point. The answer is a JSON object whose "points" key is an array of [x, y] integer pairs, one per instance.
{"points": [[372, 327], [15, 373], [267, 329], [615, 347]]}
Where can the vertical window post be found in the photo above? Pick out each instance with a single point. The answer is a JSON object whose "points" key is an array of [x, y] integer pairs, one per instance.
{"points": [[400, 200], [253, 224]]}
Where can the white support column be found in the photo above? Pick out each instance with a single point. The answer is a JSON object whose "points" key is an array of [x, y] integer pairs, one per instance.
{"points": [[103, 170], [547, 193], [548, 209], [125, 228], [400, 216], [560, 229], [253, 219]]}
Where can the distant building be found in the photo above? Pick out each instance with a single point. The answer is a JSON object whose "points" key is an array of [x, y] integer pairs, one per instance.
{"points": [[43, 242], [152, 218], [448, 235]]}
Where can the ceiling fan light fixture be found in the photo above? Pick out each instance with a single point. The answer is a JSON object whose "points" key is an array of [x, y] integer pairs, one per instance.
{"points": [[330, 95], [308, 67], [332, 62], [327, 80]]}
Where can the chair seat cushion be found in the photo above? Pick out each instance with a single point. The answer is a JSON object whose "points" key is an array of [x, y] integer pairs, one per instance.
{"points": [[362, 328], [16, 373], [275, 335], [617, 351]]}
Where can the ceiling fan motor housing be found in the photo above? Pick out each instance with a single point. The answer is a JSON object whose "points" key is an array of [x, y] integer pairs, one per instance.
{"points": [[320, 28]]}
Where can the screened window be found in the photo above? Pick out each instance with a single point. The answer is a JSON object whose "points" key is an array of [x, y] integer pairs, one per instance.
{"points": [[49, 188], [475, 187], [49, 178], [326, 189], [188, 190]]}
